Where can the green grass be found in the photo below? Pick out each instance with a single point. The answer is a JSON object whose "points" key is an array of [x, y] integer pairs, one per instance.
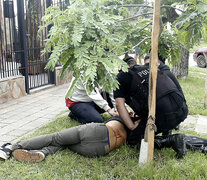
{"points": [[121, 163], [194, 89]]}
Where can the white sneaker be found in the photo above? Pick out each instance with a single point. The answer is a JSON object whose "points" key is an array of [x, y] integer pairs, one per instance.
{"points": [[28, 156], [5, 152]]}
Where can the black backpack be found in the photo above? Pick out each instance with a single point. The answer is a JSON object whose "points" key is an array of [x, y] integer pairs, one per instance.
{"points": [[139, 89]]}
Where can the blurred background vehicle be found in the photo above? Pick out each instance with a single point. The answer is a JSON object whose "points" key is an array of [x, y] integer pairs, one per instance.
{"points": [[200, 57]]}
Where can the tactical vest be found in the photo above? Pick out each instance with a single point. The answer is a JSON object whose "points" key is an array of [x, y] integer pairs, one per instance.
{"points": [[139, 89]]}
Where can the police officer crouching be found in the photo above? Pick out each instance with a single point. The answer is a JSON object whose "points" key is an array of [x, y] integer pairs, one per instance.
{"points": [[171, 108]]}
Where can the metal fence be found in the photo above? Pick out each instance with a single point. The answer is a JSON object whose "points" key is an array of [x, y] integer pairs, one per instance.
{"points": [[20, 48], [8, 65]]}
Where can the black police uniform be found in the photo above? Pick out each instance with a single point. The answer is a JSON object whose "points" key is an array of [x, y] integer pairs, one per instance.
{"points": [[170, 109]]}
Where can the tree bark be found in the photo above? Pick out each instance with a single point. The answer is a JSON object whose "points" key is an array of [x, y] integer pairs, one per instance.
{"points": [[171, 15], [181, 69]]}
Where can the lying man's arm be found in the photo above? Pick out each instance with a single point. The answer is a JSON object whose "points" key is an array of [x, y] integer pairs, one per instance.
{"points": [[123, 113]]}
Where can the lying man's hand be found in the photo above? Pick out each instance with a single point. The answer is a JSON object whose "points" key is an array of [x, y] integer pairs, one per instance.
{"points": [[112, 112]]}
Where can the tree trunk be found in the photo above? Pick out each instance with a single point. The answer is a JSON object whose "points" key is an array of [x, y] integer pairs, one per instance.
{"points": [[181, 69]]}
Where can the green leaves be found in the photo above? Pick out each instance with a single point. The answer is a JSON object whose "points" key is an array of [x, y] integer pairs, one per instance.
{"points": [[88, 37], [192, 23], [77, 35], [202, 7], [78, 39]]}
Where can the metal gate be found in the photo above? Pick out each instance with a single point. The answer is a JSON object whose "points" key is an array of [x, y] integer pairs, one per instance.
{"points": [[20, 48]]}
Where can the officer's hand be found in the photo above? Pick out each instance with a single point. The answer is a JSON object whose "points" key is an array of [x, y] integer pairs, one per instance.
{"points": [[112, 112]]}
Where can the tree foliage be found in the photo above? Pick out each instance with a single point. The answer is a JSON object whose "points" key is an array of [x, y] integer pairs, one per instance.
{"points": [[86, 38], [192, 23], [89, 35]]}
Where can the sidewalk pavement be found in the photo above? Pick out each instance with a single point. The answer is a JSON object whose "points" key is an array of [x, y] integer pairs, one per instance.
{"points": [[197, 123], [20, 117]]}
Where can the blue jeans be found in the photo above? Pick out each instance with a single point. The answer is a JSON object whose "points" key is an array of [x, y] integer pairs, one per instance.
{"points": [[86, 112]]}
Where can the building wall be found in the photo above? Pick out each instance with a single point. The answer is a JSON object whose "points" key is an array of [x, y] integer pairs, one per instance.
{"points": [[12, 88], [67, 78]]}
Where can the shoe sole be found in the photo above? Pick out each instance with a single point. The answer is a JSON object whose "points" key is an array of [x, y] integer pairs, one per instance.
{"points": [[26, 156], [3, 156]]}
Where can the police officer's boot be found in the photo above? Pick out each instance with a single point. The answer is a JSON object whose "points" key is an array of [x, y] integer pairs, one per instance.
{"points": [[167, 133], [177, 128], [175, 141]]}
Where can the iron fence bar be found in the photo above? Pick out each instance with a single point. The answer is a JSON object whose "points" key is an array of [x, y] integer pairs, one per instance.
{"points": [[51, 76], [6, 58], [16, 71], [32, 48], [14, 44], [10, 67], [1, 50], [41, 41], [32, 31], [41, 15], [21, 21], [10, 49]]}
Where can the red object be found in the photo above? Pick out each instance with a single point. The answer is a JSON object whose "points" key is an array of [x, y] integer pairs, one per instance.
{"points": [[69, 103]]}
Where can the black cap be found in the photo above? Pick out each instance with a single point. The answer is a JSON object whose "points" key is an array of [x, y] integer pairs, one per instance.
{"points": [[129, 58]]}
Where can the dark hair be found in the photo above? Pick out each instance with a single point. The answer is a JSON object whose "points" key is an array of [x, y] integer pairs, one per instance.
{"points": [[147, 56], [128, 59], [161, 58]]}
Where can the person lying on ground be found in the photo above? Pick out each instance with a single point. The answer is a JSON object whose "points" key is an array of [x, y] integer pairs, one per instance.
{"points": [[91, 140]]}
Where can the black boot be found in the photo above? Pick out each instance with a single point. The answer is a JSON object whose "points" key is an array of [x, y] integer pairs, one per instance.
{"points": [[177, 128], [175, 141], [167, 133], [72, 116]]}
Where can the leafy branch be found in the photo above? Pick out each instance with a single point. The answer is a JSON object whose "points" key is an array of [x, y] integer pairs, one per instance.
{"points": [[79, 38], [88, 37]]}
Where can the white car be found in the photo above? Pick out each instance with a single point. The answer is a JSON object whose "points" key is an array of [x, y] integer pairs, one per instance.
{"points": [[200, 57]]}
